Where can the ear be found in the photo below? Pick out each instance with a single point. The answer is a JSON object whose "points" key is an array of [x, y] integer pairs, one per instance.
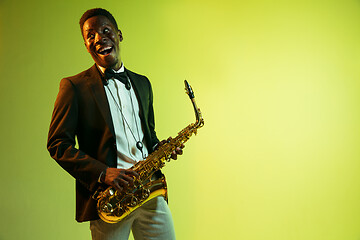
{"points": [[120, 35]]}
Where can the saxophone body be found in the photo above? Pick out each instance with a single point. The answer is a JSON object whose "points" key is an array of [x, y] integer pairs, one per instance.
{"points": [[113, 205]]}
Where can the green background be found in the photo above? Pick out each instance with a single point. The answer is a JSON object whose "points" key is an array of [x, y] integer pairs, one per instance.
{"points": [[278, 85]]}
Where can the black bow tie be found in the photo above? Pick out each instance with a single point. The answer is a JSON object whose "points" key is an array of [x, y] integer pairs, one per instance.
{"points": [[121, 76]]}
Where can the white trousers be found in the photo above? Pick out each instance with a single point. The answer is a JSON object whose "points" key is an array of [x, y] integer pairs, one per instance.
{"points": [[151, 221]]}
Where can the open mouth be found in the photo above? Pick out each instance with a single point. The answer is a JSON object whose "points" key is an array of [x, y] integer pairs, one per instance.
{"points": [[105, 51]]}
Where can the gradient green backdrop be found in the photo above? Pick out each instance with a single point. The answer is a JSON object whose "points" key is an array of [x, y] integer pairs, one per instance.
{"points": [[278, 85]]}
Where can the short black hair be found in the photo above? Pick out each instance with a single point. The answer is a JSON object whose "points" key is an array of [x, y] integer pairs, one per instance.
{"points": [[96, 12]]}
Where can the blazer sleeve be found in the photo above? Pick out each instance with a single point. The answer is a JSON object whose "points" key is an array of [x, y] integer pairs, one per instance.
{"points": [[61, 139]]}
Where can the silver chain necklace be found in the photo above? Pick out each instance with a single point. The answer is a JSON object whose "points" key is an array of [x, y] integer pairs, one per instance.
{"points": [[139, 144]]}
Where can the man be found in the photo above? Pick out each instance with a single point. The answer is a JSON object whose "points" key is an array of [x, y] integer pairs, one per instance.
{"points": [[113, 120]]}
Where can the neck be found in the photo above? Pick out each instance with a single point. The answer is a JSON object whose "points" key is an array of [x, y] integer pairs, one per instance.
{"points": [[116, 68]]}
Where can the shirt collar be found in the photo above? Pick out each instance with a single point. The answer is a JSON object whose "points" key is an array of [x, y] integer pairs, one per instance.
{"points": [[122, 68]]}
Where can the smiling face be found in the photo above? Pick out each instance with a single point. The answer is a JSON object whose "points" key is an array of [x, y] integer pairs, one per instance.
{"points": [[102, 41]]}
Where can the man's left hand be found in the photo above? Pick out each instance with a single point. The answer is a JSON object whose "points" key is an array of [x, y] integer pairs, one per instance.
{"points": [[177, 151]]}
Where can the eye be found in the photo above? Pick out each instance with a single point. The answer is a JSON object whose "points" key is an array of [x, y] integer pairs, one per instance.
{"points": [[90, 36], [106, 30]]}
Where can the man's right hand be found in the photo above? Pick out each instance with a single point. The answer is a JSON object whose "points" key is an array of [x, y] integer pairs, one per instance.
{"points": [[120, 179]]}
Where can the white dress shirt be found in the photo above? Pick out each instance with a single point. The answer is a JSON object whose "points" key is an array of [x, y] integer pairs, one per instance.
{"points": [[124, 108]]}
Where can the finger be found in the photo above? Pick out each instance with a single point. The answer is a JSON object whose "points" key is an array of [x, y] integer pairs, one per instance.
{"points": [[174, 155], [179, 151], [116, 185], [123, 183], [131, 172], [128, 180]]}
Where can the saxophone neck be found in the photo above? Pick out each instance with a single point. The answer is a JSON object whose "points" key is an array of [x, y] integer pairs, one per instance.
{"points": [[199, 122], [199, 119]]}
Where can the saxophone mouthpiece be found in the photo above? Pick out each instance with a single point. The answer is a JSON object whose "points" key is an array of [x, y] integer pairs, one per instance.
{"points": [[189, 90]]}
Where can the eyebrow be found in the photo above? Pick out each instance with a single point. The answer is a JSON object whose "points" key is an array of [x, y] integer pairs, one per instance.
{"points": [[104, 24]]}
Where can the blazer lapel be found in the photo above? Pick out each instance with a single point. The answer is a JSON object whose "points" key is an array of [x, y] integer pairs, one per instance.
{"points": [[140, 93], [96, 85]]}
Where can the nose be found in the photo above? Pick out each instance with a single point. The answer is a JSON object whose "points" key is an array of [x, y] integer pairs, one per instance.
{"points": [[100, 38]]}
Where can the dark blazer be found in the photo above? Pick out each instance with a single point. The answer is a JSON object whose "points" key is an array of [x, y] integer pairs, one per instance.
{"points": [[82, 113]]}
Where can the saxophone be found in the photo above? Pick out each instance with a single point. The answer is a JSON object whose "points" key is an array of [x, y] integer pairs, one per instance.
{"points": [[114, 205]]}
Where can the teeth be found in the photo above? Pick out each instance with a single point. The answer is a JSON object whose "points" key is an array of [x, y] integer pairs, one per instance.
{"points": [[102, 50]]}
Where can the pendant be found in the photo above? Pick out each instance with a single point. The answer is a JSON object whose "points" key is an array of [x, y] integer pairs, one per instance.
{"points": [[139, 145]]}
